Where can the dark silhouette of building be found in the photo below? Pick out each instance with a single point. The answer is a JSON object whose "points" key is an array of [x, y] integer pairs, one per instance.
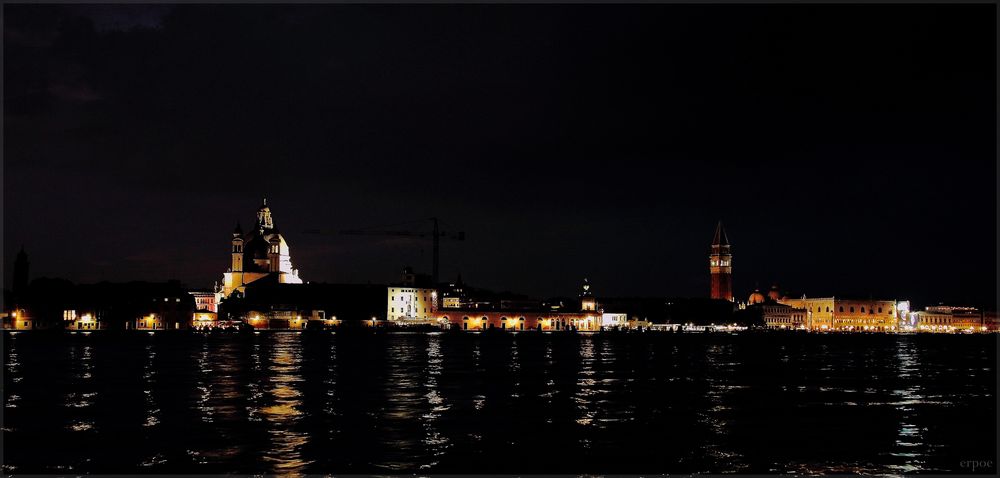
{"points": [[414, 279], [269, 304], [720, 264], [49, 303]]}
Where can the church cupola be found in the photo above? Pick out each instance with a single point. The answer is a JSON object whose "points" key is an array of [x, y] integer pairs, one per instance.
{"points": [[258, 253], [264, 216]]}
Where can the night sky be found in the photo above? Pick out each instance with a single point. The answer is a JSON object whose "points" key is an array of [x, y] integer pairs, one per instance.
{"points": [[850, 150]]}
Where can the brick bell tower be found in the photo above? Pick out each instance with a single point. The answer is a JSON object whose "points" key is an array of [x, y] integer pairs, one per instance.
{"points": [[720, 264]]}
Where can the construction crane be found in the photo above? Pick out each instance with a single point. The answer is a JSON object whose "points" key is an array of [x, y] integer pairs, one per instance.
{"points": [[437, 234]]}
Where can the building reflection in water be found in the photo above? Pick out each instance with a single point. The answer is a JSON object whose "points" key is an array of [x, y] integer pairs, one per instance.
{"points": [[720, 367], [550, 384], [148, 379], [330, 383], [217, 401], [435, 443], [12, 371], [282, 415], [400, 446], [83, 395], [909, 440], [586, 388], [203, 385], [478, 365], [255, 393]]}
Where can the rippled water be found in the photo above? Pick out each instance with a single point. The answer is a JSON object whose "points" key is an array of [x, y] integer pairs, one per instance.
{"points": [[525, 403]]}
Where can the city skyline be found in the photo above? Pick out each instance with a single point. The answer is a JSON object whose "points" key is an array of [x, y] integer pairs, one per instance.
{"points": [[602, 142]]}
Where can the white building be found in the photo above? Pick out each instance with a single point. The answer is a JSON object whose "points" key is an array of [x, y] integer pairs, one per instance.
{"points": [[612, 320], [410, 304]]}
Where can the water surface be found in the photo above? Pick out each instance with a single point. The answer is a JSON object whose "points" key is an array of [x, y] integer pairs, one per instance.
{"points": [[508, 403]]}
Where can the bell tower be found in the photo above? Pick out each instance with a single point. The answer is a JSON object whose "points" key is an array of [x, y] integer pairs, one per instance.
{"points": [[720, 264], [237, 249], [274, 254]]}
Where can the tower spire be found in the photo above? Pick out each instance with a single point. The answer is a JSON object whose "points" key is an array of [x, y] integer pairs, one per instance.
{"points": [[720, 238]]}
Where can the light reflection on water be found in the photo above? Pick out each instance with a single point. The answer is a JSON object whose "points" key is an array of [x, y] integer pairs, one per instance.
{"points": [[290, 403], [586, 387], [83, 393], [909, 442], [720, 365], [398, 417], [282, 414], [434, 441], [148, 379]]}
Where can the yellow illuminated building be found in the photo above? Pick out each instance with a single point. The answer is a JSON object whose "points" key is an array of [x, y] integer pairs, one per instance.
{"points": [[18, 319], [150, 322], [833, 313], [204, 319], [948, 319], [589, 317], [81, 321]]}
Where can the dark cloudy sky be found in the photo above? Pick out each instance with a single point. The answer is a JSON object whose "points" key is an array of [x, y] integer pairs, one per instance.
{"points": [[849, 149]]}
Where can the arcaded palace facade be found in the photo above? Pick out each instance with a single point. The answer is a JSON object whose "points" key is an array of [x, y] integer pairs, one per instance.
{"points": [[259, 253], [833, 313]]}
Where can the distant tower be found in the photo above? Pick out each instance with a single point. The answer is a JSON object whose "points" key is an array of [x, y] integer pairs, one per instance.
{"points": [[409, 277], [237, 248], [587, 300], [20, 274], [720, 264]]}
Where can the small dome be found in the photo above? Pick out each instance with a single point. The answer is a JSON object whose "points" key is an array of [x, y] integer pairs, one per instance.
{"points": [[774, 294], [756, 297]]}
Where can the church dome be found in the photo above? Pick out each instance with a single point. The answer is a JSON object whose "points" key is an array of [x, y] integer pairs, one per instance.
{"points": [[756, 298], [774, 294], [256, 248]]}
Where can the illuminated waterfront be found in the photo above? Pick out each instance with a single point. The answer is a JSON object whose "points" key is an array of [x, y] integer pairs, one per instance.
{"points": [[507, 403]]}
